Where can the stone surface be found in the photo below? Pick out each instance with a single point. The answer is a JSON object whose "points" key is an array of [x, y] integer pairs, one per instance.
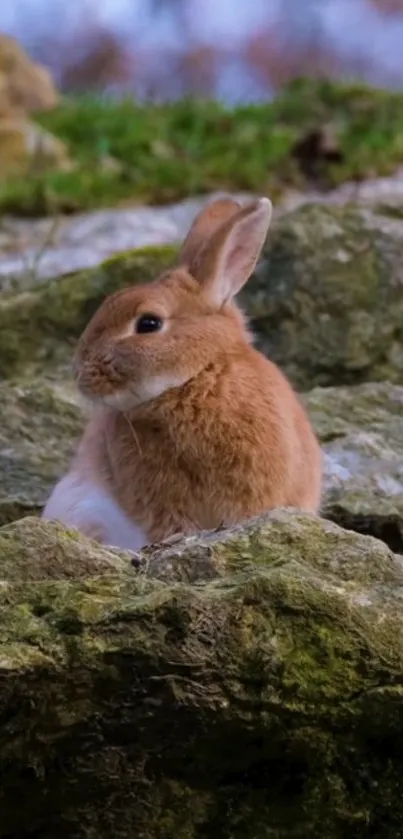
{"points": [[327, 298], [382, 193], [56, 246], [31, 552], [240, 684], [38, 428], [25, 87], [360, 429], [60, 245]]}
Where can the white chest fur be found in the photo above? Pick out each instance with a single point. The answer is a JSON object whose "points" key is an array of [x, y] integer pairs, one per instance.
{"points": [[79, 502]]}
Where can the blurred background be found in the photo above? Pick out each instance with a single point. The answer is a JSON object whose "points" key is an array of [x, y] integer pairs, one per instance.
{"points": [[235, 50]]}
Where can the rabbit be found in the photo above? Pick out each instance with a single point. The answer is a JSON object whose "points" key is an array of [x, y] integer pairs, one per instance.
{"points": [[192, 428]]}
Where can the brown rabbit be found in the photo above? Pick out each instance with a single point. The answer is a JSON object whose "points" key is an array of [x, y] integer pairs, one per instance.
{"points": [[192, 428]]}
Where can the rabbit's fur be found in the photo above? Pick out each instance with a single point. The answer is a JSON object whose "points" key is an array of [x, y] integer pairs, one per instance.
{"points": [[192, 427]]}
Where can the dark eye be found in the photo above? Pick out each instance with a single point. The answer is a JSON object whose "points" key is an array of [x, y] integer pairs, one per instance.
{"points": [[148, 323]]}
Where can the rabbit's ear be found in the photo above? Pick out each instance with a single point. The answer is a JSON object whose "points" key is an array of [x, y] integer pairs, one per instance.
{"points": [[228, 259], [204, 225]]}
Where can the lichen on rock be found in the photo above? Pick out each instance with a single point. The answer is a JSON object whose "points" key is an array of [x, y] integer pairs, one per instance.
{"points": [[39, 426], [360, 429], [259, 697], [32, 551]]}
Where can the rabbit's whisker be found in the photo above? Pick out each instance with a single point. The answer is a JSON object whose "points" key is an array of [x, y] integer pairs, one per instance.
{"points": [[135, 437]]}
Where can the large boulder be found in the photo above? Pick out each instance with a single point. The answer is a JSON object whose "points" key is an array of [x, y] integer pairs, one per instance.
{"points": [[326, 300], [245, 683]]}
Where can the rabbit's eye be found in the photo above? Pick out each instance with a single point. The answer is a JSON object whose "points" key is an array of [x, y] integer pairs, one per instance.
{"points": [[148, 323]]}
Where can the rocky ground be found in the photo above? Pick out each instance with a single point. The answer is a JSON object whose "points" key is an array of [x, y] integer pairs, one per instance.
{"points": [[240, 684]]}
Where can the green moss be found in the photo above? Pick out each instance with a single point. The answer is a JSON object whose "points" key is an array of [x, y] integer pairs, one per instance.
{"points": [[168, 151], [33, 551], [262, 700]]}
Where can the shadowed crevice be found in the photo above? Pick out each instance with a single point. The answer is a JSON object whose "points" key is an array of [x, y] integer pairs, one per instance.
{"points": [[388, 529]]}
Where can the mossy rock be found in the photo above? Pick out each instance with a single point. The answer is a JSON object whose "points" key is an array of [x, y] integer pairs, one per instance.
{"points": [[326, 300], [240, 685], [31, 552], [360, 429], [39, 426]]}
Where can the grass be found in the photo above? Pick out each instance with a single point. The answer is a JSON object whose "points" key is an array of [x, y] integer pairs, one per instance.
{"points": [[168, 151]]}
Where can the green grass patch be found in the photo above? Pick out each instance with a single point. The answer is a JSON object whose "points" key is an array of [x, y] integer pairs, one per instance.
{"points": [[168, 151]]}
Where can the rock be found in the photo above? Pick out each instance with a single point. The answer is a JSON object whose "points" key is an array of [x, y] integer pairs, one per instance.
{"points": [[30, 552], [261, 699], [65, 244], [383, 194], [83, 240], [326, 300], [327, 297], [27, 149], [39, 424], [25, 87], [359, 429]]}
